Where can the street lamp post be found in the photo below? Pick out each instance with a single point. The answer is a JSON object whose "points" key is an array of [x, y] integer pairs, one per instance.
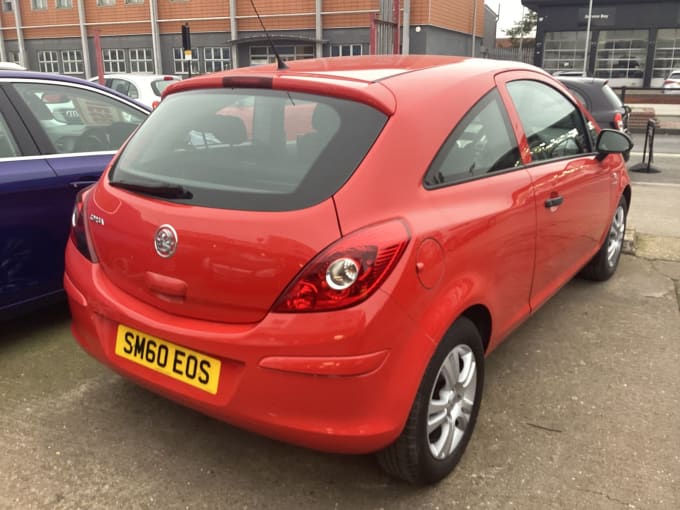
{"points": [[585, 56]]}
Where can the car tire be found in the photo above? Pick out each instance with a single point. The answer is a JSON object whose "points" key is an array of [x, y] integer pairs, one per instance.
{"points": [[425, 455], [603, 265]]}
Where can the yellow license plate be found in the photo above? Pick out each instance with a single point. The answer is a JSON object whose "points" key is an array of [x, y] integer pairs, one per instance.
{"points": [[190, 367]]}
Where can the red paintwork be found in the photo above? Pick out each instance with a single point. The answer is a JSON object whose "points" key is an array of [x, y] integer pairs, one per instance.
{"points": [[343, 380]]}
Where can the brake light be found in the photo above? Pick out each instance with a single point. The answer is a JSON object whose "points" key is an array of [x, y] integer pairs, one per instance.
{"points": [[618, 121], [154, 104], [261, 82], [348, 271], [78, 233]]}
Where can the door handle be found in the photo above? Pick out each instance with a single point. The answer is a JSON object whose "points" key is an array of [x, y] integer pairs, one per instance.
{"points": [[554, 202]]}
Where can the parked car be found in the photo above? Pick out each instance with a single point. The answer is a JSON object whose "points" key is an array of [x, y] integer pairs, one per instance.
{"points": [[671, 85], [11, 66], [145, 88], [600, 100], [339, 289], [56, 136]]}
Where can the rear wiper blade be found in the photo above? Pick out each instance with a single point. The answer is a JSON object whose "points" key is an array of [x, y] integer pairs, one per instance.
{"points": [[157, 190]]}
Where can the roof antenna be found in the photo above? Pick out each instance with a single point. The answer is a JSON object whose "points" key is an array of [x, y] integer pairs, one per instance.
{"points": [[280, 63]]}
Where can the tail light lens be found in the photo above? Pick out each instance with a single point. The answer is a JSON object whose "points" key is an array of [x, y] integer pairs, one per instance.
{"points": [[348, 271], [154, 104], [78, 234], [618, 121]]}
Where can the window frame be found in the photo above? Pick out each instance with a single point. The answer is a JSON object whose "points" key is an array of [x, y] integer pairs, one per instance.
{"points": [[494, 95], [68, 62], [586, 132], [63, 4], [44, 63], [109, 62], [143, 64]]}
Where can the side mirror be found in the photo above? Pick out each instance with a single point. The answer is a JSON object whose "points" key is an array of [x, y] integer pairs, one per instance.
{"points": [[612, 141]]}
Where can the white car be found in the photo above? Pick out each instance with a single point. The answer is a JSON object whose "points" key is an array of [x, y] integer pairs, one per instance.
{"points": [[671, 85], [145, 88], [11, 66]]}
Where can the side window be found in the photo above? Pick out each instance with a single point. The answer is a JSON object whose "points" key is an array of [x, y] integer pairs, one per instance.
{"points": [[553, 125], [79, 120], [8, 147], [482, 142]]}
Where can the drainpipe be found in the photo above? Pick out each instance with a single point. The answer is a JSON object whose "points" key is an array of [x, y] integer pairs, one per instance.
{"points": [[3, 53], [20, 34], [319, 29], [83, 39], [233, 33], [155, 37], [474, 26], [406, 35]]}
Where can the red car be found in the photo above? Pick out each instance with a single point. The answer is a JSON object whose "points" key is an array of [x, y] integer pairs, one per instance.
{"points": [[340, 288]]}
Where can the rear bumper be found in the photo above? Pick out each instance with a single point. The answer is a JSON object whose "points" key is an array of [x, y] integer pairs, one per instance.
{"points": [[341, 381]]}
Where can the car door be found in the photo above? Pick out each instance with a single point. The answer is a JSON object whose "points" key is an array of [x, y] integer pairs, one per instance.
{"points": [[76, 131], [572, 188], [482, 194], [27, 216]]}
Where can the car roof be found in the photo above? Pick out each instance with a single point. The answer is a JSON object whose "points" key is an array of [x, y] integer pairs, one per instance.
{"points": [[582, 80], [140, 77], [33, 75], [358, 77]]}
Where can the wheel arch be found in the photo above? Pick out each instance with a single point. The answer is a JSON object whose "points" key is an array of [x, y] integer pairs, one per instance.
{"points": [[481, 318], [627, 194]]}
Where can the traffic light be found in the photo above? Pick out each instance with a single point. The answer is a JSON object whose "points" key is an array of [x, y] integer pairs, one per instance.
{"points": [[186, 37]]}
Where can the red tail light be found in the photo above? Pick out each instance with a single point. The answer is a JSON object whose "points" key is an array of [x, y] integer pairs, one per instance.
{"points": [[154, 104], [348, 271], [618, 121], [78, 229]]}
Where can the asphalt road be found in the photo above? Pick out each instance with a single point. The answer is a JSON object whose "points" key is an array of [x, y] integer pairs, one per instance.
{"points": [[581, 410]]}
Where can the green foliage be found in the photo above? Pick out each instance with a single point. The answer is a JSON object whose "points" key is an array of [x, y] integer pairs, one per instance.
{"points": [[523, 28]]}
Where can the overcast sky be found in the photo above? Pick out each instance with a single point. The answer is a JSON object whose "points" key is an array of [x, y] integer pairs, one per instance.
{"points": [[510, 13]]}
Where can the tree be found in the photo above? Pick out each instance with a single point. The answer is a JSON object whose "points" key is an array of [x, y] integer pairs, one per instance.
{"points": [[525, 27]]}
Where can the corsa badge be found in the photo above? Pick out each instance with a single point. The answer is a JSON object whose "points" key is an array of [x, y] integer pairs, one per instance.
{"points": [[165, 241]]}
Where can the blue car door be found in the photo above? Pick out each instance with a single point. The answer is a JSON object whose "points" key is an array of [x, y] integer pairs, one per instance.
{"points": [[74, 132]]}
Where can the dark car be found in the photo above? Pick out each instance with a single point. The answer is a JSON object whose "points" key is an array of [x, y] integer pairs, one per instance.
{"points": [[600, 100], [57, 134]]}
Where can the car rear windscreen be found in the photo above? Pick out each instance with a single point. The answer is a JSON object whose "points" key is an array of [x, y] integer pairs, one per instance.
{"points": [[249, 149]]}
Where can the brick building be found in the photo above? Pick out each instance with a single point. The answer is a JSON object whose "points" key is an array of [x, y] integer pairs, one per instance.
{"points": [[145, 35]]}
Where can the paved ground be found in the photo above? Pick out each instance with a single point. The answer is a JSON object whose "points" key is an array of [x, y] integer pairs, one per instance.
{"points": [[581, 410]]}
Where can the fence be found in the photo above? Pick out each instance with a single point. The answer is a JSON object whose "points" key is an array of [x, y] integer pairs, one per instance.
{"points": [[526, 55]]}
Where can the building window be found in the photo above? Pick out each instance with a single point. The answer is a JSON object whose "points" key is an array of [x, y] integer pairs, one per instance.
{"points": [[621, 56], [38, 5], [7, 5], [48, 61], [564, 51], [345, 50], [216, 59], [141, 60], [667, 54], [64, 4], [72, 61], [114, 61], [182, 65], [265, 54], [13, 56], [103, 3], [134, 1]]}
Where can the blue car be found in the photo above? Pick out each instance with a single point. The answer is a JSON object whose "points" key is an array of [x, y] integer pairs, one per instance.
{"points": [[57, 134]]}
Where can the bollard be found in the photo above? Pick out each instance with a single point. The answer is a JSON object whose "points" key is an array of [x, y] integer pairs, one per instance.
{"points": [[646, 164]]}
